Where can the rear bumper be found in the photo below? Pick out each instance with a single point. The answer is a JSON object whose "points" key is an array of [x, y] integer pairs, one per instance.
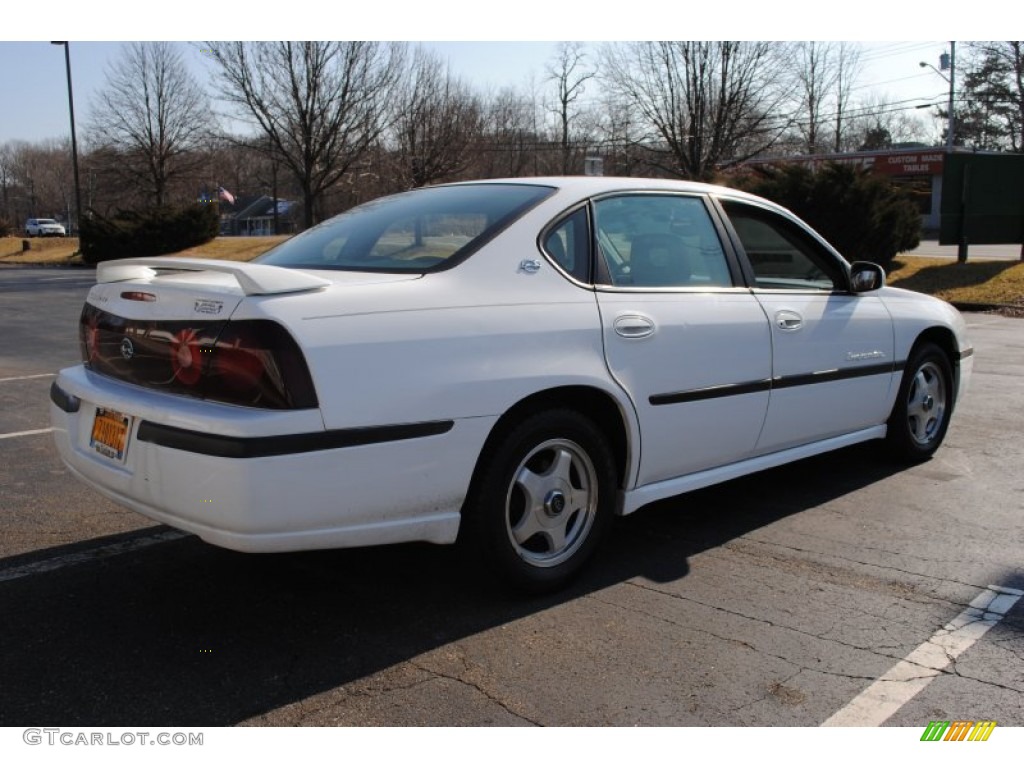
{"points": [[262, 481]]}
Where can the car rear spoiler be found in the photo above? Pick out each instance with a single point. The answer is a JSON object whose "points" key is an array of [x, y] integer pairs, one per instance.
{"points": [[254, 279]]}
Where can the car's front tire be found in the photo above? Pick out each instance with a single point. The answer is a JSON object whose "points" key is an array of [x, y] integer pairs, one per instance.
{"points": [[923, 406], [542, 500]]}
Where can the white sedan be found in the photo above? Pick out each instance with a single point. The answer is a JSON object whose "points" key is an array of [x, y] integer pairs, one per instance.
{"points": [[44, 228], [509, 363]]}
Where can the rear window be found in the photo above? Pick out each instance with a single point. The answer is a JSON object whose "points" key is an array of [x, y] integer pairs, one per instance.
{"points": [[419, 231]]}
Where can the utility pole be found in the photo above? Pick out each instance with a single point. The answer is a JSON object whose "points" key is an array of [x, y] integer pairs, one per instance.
{"points": [[74, 142], [961, 250], [948, 61], [952, 87]]}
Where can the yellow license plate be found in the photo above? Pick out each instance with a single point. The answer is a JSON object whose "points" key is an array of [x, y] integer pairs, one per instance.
{"points": [[110, 431]]}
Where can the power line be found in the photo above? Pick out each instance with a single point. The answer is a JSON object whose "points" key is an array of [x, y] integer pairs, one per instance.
{"points": [[898, 49]]}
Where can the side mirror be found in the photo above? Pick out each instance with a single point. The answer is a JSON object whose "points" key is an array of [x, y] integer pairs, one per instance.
{"points": [[865, 277]]}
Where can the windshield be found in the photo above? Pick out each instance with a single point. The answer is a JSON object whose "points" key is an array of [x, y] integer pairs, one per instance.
{"points": [[420, 231]]}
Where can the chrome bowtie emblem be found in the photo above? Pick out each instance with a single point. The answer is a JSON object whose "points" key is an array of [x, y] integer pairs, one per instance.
{"points": [[127, 349]]}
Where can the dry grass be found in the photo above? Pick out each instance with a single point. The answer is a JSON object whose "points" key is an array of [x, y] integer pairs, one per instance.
{"points": [[43, 250], [234, 248], [62, 250], [980, 282]]}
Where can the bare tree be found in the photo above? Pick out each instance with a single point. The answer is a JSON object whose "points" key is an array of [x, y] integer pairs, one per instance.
{"points": [[846, 58], [437, 119], [875, 123], [509, 146], [816, 76], [321, 105], [7, 179], [707, 105], [38, 178], [154, 115], [570, 74], [621, 140], [824, 75]]}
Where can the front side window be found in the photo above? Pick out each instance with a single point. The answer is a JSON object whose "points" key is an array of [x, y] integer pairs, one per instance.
{"points": [[419, 231], [659, 241], [781, 254]]}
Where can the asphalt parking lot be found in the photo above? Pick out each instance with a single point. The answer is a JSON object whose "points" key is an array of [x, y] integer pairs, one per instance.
{"points": [[840, 590]]}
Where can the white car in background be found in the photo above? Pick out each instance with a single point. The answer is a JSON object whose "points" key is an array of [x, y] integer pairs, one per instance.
{"points": [[44, 228], [510, 363]]}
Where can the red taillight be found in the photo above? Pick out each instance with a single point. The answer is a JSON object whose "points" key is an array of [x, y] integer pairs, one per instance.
{"points": [[241, 368], [91, 338], [255, 363], [186, 357]]}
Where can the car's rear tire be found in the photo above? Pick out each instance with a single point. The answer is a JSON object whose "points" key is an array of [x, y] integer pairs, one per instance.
{"points": [[541, 502], [923, 406]]}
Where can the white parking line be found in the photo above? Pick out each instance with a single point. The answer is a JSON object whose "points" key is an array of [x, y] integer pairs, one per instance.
{"points": [[99, 553], [33, 376], [909, 677], [26, 433]]}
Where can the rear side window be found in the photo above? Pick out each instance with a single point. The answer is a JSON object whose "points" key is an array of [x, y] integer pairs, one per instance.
{"points": [[659, 241], [568, 244], [419, 231]]}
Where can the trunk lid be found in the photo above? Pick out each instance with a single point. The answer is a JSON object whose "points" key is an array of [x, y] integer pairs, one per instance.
{"points": [[163, 323]]}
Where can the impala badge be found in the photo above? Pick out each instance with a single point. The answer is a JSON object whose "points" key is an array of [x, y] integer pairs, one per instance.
{"points": [[208, 306], [127, 348]]}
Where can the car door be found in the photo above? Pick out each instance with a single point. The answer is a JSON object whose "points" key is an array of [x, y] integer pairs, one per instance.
{"points": [[692, 350], [833, 350]]}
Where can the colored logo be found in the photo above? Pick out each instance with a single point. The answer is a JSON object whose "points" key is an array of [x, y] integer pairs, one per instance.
{"points": [[958, 730]]}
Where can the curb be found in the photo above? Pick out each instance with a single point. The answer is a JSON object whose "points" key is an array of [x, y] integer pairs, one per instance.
{"points": [[969, 306], [45, 265]]}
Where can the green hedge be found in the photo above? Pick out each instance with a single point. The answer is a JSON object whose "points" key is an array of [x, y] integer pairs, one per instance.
{"points": [[150, 232], [864, 216]]}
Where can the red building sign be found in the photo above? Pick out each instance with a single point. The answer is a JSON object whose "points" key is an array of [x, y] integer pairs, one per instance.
{"points": [[914, 163]]}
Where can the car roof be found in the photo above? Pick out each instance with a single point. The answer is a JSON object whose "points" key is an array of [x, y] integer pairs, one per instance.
{"points": [[589, 186]]}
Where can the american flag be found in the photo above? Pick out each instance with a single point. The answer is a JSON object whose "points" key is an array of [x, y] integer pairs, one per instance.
{"points": [[226, 196]]}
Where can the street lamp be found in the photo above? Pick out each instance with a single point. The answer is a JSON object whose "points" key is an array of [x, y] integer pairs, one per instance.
{"points": [[74, 142], [947, 61]]}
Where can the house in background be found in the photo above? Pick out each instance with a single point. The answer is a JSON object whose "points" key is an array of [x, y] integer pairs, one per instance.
{"points": [[254, 216]]}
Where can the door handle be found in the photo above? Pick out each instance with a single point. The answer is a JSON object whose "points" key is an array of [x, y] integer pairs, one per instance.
{"points": [[634, 326], [788, 320]]}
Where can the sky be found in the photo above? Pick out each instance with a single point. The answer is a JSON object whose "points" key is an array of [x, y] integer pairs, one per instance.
{"points": [[492, 49]]}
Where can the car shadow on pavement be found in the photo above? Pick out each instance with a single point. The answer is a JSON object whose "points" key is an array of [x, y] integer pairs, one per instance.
{"points": [[186, 634]]}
